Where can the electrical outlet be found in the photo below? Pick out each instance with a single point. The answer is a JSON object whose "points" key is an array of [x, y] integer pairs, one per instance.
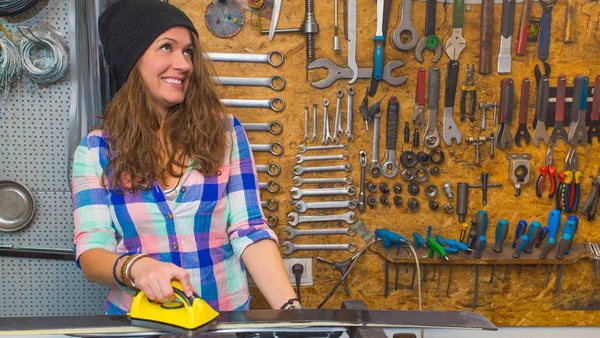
{"points": [[307, 277]]}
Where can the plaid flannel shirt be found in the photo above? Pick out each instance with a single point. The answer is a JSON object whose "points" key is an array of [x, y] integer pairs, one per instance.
{"points": [[205, 230]]}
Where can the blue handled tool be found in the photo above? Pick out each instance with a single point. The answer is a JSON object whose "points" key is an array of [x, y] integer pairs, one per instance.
{"points": [[501, 232], [457, 245], [419, 241], [440, 239], [553, 225], [389, 238], [521, 243], [519, 231], [534, 231], [482, 222], [541, 237], [563, 246], [379, 41], [481, 241]]}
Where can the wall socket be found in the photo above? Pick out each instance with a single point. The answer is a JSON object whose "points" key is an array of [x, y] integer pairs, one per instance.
{"points": [[307, 276]]}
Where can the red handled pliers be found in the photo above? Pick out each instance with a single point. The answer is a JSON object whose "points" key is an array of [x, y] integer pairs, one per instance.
{"points": [[569, 190], [546, 170]]}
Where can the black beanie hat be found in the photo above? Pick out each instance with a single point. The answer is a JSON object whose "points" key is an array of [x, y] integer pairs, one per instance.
{"points": [[128, 27]]}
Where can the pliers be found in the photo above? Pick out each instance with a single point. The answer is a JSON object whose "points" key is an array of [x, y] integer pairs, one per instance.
{"points": [[546, 170], [590, 205], [468, 87], [567, 197]]}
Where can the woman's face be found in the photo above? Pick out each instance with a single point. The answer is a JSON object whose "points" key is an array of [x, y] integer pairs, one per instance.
{"points": [[166, 67]]}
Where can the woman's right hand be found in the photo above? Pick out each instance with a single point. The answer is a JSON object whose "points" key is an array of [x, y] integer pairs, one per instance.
{"points": [[154, 278]]}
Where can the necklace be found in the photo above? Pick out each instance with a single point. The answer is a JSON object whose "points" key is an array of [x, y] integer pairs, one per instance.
{"points": [[171, 195]]}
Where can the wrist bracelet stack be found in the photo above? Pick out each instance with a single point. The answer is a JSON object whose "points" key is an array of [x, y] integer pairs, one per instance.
{"points": [[289, 304], [125, 271]]}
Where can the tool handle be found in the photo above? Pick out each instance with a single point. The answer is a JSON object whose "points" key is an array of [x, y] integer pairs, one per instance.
{"points": [[481, 241], [569, 27], [547, 248], [508, 100], [378, 57], [561, 89], [482, 222], [501, 232], [575, 203], [539, 184], [523, 28], [521, 243], [563, 246], [462, 202], [541, 237], [472, 239], [419, 240], [534, 231], [524, 103], [391, 131], [575, 100], [433, 92], [457, 245], [451, 79], [552, 177], [436, 247], [570, 227], [519, 231], [430, 18], [545, 29], [440, 239], [596, 102], [553, 224], [458, 13], [541, 105], [583, 93], [486, 37], [589, 206], [420, 95], [508, 18]]}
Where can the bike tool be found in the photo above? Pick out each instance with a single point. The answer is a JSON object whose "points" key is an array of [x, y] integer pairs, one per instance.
{"points": [[577, 132], [559, 132], [522, 131], [456, 43], [429, 40], [450, 129], [389, 168], [545, 29], [504, 136], [419, 112], [383, 18], [506, 32], [468, 88], [594, 128]]}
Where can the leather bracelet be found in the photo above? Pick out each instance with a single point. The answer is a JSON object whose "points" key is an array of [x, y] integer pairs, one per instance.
{"points": [[123, 267], [128, 279], [288, 305], [114, 270]]}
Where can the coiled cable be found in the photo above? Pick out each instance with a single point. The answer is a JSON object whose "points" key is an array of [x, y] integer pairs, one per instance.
{"points": [[11, 69], [43, 58], [13, 7]]}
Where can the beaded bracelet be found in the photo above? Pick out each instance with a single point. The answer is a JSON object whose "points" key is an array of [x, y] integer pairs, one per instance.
{"points": [[288, 304], [123, 267], [114, 270], [128, 279]]}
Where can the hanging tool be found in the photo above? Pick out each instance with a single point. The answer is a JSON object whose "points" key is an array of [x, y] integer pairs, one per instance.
{"points": [[545, 29], [484, 179], [559, 132], [574, 105], [577, 132], [405, 30], [541, 237], [521, 243], [432, 136], [501, 232], [520, 230], [274, 18], [534, 231], [519, 169], [478, 142], [468, 88], [568, 191], [504, 136], [547, 169], [435, 247], [450, 131], [419, 241], [336, 36], [594, 128], [568, 233], [541, 108], [350, 28], [591, 203], [363, 166], [523, 28], [390, 238], [224, 19], [342, 267], [456, 43], [389, 168], [522, 131], [486, 36], [569, 26], [506, 31], [419, 112], [336, 73], [383, 17], [553, 225], [462, 202], [429, 40]]}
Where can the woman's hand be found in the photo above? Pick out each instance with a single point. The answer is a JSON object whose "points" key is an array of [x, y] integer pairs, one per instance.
{"points": [[154, 278]]}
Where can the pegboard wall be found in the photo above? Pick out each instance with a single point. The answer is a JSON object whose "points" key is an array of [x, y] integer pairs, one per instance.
{"points": [[34, 135]]}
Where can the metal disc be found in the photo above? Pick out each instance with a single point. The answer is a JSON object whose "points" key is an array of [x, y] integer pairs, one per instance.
{"points": [[224, 18], [17, 206]]}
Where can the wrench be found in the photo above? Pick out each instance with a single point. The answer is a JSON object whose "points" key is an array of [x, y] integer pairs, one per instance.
{"points": [[456, 43], [418, 114], [451, 131], [352, 247], [314, 135], [301, 206], [276, 104], [273, 169], [351, 28], [390, 166], [305, 123], [559, 132], [273, 127], [432, 135], [594, 128], [299, 181], [522, 132], [298, 193], [336, 73], [256, 58], [504, 136], [363, 166], [541, 107], [577, 134], [274, 148], [429, 40], [271, 186], [294, 219], [375, 168], [271, 204], [337, 128], [304, 148], [272, 220], [349, 134], [405, 29], [275, 82], [341, 231], [300, 158], [299, 170], [326, 134]]}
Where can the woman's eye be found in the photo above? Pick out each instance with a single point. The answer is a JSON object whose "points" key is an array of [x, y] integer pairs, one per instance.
{"points": [[189, 51], [166, 47]]}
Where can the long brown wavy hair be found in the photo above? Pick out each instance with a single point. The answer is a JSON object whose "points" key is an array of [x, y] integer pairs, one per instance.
{"points": [[193, 128]]}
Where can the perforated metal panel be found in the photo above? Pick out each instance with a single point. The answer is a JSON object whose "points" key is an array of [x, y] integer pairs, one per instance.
{"points": [[34, 130]]}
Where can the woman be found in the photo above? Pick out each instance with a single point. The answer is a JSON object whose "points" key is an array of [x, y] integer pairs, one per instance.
{"points": [[166, 188]]}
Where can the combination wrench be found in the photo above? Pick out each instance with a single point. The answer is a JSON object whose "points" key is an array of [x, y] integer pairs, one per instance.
{"points": [[297, 193], [559, 132], [271, 204], [375, 169], [275, 82], [299, 181], [326, 134], [541, 107], [450, 129], [276, 104], [305, 123], [255, 58], [295, 219], [271, 186], [336, 72], [337, 128], [363, 168], [273, 127], [352, 247], [406, 30], [304, 148], [432, 135], [340, 231], [274, 148], [273, 169], [301, 158], [349, 134], [314, 135], [504, 136], [299, 170], [390, 166], [301, 206], [577, 134]]}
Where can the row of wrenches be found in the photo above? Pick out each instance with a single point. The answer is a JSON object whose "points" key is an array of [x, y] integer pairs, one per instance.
{"points": [[337, 128]]}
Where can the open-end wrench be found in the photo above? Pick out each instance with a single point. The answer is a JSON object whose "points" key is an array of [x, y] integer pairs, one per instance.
{"points": [[375, 169], [450, 129], [326, 134], [429, 40], [594, 128], [299, 181], [299, 170], [389, 167], [504, 137], [297, 193], [301, 158], [301, 206], [314, 135], [405, 31], [432, 138], [574, 102], [271, 186], [545, 29], [349, 134], [337, 128], [456, 43], [274, 148], [318, 232], [273, 127], [255, 58], [294, 219], [351, 28], [363, 168], [306, 123], [522, 131], [276, 104], [271, 204], [577, 134], [352, 247], [273, 169], [304, 148], [275, 82], [336, 72], [541, 107], [419, 112], [559, 132]]}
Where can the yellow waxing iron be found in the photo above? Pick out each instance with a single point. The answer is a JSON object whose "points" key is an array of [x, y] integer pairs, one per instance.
{"points": [[187, 316]]}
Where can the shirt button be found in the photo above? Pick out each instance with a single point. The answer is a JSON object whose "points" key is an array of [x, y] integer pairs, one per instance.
{"points": [[170, 216], [218, 172], [182, 190], [174, 247]]}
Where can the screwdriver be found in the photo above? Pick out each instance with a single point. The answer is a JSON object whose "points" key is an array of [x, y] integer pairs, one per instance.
{"points": [[521, 243], [541, 237], [481, 241], [463, 231], [563, 245], [450, 245], [570, 228], [390, 238], [553, 225], [436, 247], [419, 241], [533, 233], [521, 229], [501, 232], [482, 222]]}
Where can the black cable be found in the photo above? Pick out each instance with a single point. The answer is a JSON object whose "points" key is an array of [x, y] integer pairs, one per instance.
{"points": [[13, 7], [297, 270]]}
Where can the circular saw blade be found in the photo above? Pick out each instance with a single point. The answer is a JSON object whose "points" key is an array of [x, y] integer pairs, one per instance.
{"points": [[224, 19]]}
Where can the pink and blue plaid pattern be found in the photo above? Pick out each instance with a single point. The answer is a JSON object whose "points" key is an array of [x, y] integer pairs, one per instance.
{"points": [[205, 230]]}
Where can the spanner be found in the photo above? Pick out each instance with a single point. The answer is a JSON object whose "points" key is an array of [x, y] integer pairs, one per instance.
{"points": [[305, 123], [390, 166], [429, 40], [575, 103], [299, 170], [594, 128], [294, 219], [300, 158], [301, 206], [274, 148], [297, 193], [375, 169], [432, 135], [271, 204], [507, 93], [314, 135], [340, 231], [326, 134], [271, 186], [299, 181], [352, 247], [559, 132], [273, 169], [351, 28], [336, 73], [275, 82], [363, 168], [349, 134], [451, 131], [541, 107], [337, 128], [304, 148], [257, 58], [577, 134], [456, 43], [273, 127], [419, 111], [405, 30], [276, 104], [522, 131]]}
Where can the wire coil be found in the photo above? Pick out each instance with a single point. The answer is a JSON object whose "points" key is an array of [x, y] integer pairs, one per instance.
{"points": [[43, 58], [11, 69], [13, 7]]}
